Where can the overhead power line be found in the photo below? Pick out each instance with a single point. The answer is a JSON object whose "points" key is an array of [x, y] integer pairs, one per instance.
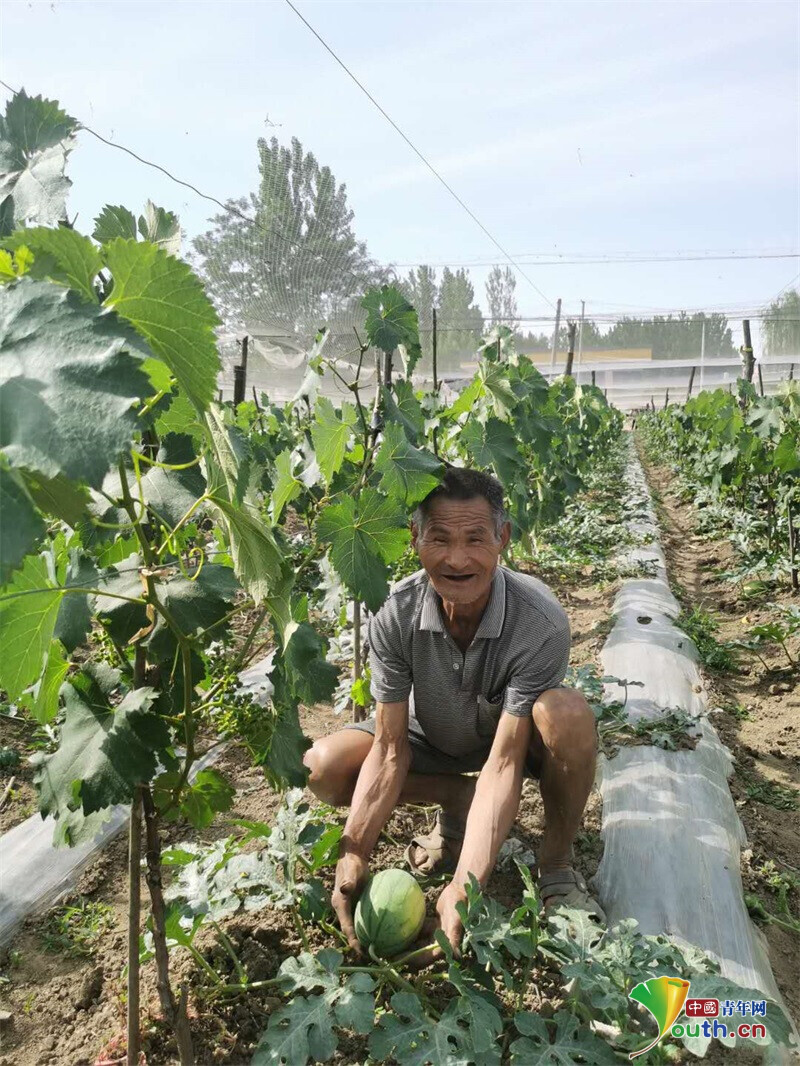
{"points": [[603, 260], [418, 153]]}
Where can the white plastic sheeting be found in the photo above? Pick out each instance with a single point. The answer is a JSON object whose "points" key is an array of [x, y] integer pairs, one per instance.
{"points": [[671, 831], [34, 875]]}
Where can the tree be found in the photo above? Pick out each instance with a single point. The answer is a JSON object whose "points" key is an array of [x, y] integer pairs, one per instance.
{"points": [[782, 325], [502, 302], [298, 263], [673, 337], [460, 320], [421, 290]]}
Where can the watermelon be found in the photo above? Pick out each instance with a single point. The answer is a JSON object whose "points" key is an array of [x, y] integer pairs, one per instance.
{"points": [[390, 913]]}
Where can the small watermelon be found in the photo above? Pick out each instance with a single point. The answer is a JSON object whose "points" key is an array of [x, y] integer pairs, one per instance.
{"points": [[390, 913]]}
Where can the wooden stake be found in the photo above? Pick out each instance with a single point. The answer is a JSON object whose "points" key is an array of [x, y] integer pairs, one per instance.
{"points": [[570, 350], [792, 548], [666, 399], [134, 919], [358, 710], [748, 362], [555, 335], [691, 382], [760, 381], [435, 350]]}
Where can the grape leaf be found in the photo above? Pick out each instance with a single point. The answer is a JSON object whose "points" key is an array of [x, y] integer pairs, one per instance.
{"points": [[114, 222], [287, 487], [104, 752], [57, 496], [165, 302], [407, 473], [44, 698], [20, 525], [161, 227], [28, 611], [494, 445], [401, 405], [330, 434], [172, 492], [62, 255], [392, 321], [35, 139], [74, 615], [283, 763], [68, 384], [571, 1042], [364, 536], [467, 399], [207, 795], [257, 559]]}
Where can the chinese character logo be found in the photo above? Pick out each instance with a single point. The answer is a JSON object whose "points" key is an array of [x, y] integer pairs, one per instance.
{"points": [[664, 998]]}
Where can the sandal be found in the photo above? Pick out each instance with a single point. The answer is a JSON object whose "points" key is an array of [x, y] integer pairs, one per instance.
{"points": [[567, 888], [441, 848]]}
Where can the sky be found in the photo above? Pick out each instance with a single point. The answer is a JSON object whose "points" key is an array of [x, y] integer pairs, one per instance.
{"points": [[569, 128]]}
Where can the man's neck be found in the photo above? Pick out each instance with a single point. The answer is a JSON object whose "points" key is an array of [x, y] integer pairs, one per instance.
{"points": [[462, 619]]}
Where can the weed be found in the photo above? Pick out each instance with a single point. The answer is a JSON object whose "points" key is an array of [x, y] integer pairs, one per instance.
{"points": [[700, 625], [75, 929], [782, 797], [736, 710]]}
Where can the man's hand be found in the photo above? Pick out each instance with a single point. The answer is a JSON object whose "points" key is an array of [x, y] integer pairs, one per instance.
{"points": [[449, 918], [351, 876]]}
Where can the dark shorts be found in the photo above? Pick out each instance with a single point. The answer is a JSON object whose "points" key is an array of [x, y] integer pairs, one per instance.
{"points": [[425, 759]]}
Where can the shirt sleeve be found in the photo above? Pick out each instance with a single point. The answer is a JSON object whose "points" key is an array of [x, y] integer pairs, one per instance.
{"points": [[545, 669], [390, 680]]}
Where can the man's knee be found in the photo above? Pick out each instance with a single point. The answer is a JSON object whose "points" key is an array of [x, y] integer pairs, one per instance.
{"points": [[566, 724], [330, 777]]}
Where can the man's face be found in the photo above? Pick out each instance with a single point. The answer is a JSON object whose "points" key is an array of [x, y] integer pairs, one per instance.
{"points": [[459, 548]]}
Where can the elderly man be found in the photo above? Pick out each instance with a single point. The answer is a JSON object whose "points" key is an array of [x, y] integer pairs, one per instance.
{"points": [[467, 658]]}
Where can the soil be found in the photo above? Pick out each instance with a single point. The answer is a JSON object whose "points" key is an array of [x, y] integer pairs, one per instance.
{"points": [[765, 742]]}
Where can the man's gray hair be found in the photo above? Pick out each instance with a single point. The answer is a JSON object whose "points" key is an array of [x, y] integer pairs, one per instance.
{"points": [[463, 483]]}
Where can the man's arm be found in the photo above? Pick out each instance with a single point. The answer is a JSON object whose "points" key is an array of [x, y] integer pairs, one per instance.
{"points": [[380, 781], [496, 802], [491, 816]]}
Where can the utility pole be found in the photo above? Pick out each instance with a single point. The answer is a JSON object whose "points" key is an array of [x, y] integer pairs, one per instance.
{"points": [[555, 337]]}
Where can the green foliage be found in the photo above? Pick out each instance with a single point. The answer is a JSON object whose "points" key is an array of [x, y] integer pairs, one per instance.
{"points": [[739, 459], [700, 625], [76, 928], [392, 323], [165, 302], [35, 139]]}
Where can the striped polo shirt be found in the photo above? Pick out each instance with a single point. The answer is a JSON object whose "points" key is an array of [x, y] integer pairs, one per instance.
{"points": [[520, 650]]}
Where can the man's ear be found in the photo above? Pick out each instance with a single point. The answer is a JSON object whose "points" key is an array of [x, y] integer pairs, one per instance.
{"points": [[505, 536], [414, 535]]}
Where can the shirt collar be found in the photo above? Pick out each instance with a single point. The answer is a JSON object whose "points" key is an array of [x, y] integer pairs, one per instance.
{"points": [[494, 614]]}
